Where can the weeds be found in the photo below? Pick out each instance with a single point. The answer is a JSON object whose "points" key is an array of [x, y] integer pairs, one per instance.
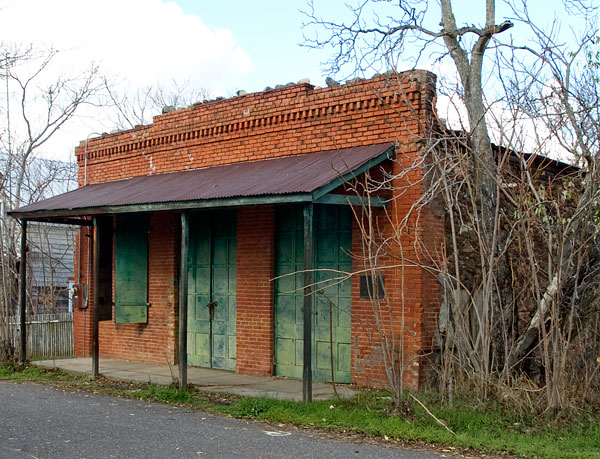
{"points": [[487, 428], [34, 373], [166, 394]]}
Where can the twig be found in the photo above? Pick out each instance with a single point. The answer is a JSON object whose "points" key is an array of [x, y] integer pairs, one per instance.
{"points": [[432, 415]]}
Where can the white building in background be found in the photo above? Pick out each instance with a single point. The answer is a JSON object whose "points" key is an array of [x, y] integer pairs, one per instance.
{"points": [[50, 247], [50, 265]]}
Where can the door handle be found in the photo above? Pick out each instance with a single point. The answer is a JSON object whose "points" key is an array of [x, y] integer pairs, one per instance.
{"points": [[211, 307]]}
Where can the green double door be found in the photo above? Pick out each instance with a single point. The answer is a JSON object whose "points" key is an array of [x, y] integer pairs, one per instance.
{"points": [[212, 290], [331, 302]]}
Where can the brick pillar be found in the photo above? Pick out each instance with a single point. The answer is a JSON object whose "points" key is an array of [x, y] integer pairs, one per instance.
{"points": [[82, 318], [255, 262], [408, 279], [420, 246], [409, 312]]}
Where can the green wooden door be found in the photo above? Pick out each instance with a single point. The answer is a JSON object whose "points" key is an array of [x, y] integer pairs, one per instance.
{"points": [[212, 285], [289, 301], [333, 240]]}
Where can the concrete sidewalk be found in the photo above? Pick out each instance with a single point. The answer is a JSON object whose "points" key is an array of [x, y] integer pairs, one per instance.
{"points": [[204, 379]]}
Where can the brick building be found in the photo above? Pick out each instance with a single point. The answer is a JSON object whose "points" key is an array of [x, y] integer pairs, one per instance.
{"points": [[199, 228]]}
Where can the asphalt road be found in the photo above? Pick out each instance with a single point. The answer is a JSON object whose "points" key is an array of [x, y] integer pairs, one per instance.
{"points": [[43, 422]]}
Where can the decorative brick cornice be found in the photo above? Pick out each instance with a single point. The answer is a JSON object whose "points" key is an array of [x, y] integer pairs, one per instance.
{"points": [[283, 109]]}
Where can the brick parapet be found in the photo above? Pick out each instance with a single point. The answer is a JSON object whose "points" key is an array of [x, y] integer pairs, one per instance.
{"points": [[290, 120]]}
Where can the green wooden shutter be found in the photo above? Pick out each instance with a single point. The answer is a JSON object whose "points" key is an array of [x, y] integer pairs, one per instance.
{"points": [[131, 269]]}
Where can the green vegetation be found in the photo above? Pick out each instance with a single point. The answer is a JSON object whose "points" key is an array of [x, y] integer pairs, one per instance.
{"points": [[483, 428], [34, 373], [490, 429], [169, 394]]}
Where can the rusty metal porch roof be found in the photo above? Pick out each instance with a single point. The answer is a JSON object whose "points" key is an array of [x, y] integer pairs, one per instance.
{"points": [[305, 177]]}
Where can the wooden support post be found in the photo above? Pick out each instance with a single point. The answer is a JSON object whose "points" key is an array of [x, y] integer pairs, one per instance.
{"points": [[95, 304], [183, 303], [23, 291], [308, 281]]}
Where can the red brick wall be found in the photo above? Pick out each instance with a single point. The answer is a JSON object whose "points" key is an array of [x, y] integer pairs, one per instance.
{"points": [[155, 341], [407, 318], [290, 120], [255, 259]]}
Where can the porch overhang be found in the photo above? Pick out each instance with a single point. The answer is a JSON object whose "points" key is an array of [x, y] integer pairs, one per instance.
{"points": [[306, 178], [309, 179]]}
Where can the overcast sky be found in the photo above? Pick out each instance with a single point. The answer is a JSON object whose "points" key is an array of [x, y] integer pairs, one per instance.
{"points": [[220, 45]]}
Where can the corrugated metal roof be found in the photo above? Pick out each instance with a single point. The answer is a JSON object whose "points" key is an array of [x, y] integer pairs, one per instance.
{"points": [[293, 174]]}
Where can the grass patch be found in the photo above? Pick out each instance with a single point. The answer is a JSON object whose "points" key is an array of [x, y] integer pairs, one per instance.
{"points": [[168, 394], [488, 429], [483, 428], [34, 373]]}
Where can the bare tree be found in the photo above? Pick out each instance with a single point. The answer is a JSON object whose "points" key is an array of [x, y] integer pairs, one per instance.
{"points": [[38, 105], [560, 93], [137, 107], [466, 46], [519, 270]]}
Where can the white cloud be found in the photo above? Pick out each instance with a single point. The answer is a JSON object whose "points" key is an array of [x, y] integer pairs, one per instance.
{"points": [[136, 42], [141, 40]]}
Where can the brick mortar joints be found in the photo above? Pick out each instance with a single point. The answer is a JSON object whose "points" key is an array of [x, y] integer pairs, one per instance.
{"points": [[254, 127]]}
